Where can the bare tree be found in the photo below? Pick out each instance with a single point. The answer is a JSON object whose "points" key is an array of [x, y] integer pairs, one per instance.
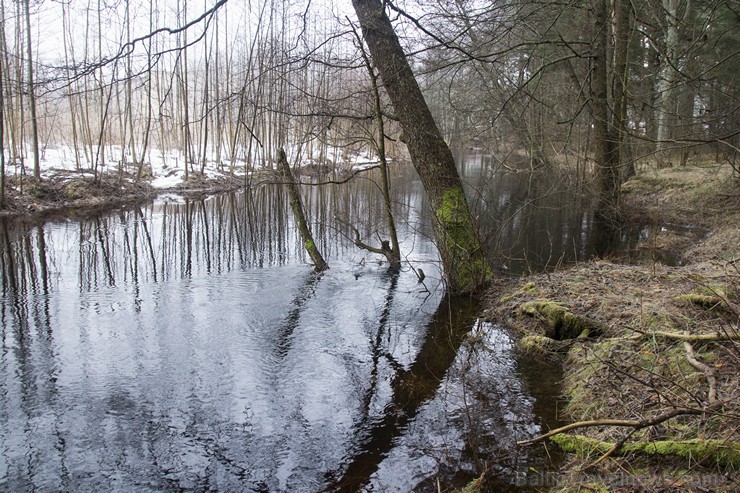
{"points": [[2, 144], [31, 92]]}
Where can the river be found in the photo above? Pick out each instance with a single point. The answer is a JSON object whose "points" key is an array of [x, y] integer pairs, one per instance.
{"points": [[186, 345]]}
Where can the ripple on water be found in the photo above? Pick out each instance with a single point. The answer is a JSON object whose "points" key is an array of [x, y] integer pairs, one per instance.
{"points": [[158, 359]]}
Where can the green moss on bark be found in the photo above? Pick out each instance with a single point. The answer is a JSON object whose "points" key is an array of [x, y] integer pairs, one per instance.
{"points": [[717, 452], [562, 323], [467, 267]]}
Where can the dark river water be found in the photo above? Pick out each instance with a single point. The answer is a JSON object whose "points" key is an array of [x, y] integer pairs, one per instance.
{"points": [[187, 346]]}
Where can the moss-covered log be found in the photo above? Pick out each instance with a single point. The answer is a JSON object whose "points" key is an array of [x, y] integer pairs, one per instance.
{"points": [[562, 323], [541, 345], [709, 452], [703, 300]]}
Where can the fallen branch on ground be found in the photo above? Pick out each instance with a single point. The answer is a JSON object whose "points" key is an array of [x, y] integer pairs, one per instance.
{"points": [[676, 336], [709, 373], [638, 425], [719, 452]]}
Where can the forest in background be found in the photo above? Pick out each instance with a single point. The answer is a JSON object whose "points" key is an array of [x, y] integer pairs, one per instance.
{"points": [[600, 86]]}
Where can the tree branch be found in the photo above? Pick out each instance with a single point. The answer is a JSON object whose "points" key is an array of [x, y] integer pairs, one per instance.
{"points": [[637, 425], [708, 372]]}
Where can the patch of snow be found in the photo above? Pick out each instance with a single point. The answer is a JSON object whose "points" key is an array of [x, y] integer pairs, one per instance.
{"points": [[169, 198], [165, 167]]}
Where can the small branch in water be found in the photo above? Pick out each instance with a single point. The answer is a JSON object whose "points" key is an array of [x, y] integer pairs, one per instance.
{"points": [[384, 250], [318, 183], [420, 275]]}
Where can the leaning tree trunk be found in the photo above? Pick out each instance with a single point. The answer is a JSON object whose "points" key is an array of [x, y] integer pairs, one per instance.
{"points": [[457, 238], [295, 204]]}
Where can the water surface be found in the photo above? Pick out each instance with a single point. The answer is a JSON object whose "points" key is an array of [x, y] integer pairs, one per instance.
{"points": [[187, 346]]}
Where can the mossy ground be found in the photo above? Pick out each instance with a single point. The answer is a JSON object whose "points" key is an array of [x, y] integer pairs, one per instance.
{"points": [[617, 376]]}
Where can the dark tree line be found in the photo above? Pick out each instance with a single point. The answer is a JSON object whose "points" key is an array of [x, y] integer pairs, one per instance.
{"points": [[603, 84]]}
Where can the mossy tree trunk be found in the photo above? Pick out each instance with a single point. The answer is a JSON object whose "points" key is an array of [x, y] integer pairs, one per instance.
{"points": [[457, 238], [294, 198]]}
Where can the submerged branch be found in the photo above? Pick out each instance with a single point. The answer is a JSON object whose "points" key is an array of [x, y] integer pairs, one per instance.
{"points": [[384, 250], [292, 181]]}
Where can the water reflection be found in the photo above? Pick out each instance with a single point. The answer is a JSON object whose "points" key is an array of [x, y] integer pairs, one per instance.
{"points": [[534, 221], [187, 346], [409, 387]]}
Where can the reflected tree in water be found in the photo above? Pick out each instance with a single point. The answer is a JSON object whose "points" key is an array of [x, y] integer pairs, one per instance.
{"points": [[412, 386]]}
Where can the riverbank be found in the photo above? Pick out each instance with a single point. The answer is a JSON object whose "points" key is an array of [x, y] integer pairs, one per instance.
{"points": [[68, 189], [73, 194], [69, 193], [652, 346]]}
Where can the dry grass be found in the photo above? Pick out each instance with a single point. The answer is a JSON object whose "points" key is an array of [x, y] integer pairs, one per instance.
{"points": [[619, 376]]}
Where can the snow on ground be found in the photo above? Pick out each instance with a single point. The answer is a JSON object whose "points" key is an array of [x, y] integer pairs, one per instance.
{"points": [[165, 169]]}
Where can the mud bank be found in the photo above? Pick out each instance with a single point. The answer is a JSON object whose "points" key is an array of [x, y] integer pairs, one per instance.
{"points": [[650, 352]]}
